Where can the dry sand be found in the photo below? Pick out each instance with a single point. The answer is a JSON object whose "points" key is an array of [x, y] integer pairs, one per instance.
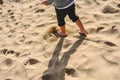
{"points": [[29, 51]]}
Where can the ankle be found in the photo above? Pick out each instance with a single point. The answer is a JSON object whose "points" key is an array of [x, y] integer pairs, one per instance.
{"points": [[59, 32], [83, 31]]}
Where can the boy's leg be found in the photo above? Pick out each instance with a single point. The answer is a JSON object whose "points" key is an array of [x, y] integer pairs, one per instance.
{"points": [[61, 22], [80, 25], [63, 30], [72, 15]]}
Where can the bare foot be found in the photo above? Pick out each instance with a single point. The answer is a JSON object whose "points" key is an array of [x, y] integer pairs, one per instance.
{"points": [[61, 34], [83, 32]]}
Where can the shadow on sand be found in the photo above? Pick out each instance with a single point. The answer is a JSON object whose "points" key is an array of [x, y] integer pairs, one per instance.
{"points": [[57, 67]]}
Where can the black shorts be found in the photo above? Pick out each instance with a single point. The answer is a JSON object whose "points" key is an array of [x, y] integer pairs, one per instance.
{"points": [[61, 14]]}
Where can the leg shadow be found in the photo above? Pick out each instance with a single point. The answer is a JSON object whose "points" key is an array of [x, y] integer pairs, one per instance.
{"points": [[57, 68]]}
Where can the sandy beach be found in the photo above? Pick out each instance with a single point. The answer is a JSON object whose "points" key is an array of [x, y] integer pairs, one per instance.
{"points": [[30, 51]]}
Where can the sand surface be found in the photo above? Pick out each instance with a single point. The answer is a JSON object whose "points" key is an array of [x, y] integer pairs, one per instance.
{"points": [[30, 51]]}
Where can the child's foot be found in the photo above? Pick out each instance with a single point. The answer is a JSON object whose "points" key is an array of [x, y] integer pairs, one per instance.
{"points": [[83, 33], [60, 34]]}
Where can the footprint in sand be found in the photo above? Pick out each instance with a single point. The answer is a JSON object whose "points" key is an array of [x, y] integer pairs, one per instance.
{"points": [[39, 11], [6, 51], [110, 44], [32, 62], [71, 71], [109, 9], [99, 29], [8, 62], [112, 30], [10, 12]]}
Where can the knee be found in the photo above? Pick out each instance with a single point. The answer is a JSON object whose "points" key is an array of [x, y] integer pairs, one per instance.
{"points": [[61, 22], [74, 18]]}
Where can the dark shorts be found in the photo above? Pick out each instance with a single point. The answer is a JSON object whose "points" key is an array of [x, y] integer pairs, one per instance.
{"points": [[61, 14]]}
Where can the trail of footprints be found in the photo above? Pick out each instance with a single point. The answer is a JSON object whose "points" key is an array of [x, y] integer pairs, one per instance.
{"points": [[10, 62], [19, 61], [102, 30], [6, 51]]}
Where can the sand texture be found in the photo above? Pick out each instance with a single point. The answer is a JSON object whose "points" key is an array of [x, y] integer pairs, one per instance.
{"points": [[30, 51]]}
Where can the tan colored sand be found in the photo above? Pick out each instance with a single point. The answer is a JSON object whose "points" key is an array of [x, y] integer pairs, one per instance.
{"points": [[29, 50]]}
